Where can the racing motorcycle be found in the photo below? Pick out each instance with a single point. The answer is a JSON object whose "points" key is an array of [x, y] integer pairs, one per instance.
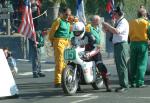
{"points": [[79, 71]]}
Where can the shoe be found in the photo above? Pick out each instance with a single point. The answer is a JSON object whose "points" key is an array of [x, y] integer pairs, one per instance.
{"points": [[132, 86], [35, 75], [15, 96], [108, 90], [79, 88], [121, 89], [57, 85], [41, 74], [142, 86]]}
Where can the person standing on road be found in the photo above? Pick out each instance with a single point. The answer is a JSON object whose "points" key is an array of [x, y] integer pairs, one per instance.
{"points": [[120, 38], [35, 48], [138, 48], [35, 54], [59, 36]]}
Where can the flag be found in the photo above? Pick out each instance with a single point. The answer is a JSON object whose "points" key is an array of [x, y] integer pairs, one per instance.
{"points": [[27, 27], [80, 11], [110, 7]]}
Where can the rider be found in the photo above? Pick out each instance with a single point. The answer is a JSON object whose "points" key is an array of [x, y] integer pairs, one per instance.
{"points": [[85, 39]]}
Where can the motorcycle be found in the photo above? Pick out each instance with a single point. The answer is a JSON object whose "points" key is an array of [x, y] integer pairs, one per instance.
{"points": [[79, 71]]}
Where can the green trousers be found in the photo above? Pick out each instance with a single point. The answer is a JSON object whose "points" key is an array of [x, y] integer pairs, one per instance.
{"points": [[121, 55], [138, 62]]}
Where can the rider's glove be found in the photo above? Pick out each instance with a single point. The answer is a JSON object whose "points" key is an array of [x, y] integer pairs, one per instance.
{"points": [[87, 56]]}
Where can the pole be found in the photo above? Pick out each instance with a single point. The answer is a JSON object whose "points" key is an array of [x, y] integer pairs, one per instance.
{"points": [[8, 25]]}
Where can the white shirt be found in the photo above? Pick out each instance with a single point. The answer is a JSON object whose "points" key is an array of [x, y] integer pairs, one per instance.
{"points": [[123, 28]]}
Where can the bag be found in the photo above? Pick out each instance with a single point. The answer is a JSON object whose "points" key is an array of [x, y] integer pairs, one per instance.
{"points": [[39, 39]]}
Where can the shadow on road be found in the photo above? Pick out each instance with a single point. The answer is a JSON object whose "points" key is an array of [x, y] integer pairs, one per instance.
{"points": [[42, 94], [43, 89], [40, 90]]}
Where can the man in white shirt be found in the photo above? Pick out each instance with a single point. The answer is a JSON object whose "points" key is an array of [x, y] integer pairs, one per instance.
{"points": [[120, 40]]}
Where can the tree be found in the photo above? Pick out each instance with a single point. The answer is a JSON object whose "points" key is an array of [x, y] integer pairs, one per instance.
{"points": [[145, 2], [120, 3], [52, 7]]}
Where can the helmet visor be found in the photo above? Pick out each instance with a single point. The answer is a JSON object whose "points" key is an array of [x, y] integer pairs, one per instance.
{"points": [[77, 33]]}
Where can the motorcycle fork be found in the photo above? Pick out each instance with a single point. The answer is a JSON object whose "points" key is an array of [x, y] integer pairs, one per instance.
{"points": [[75, 74]]}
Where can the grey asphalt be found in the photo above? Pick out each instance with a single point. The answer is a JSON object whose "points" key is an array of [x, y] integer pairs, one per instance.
{"points": [[41, 90]]}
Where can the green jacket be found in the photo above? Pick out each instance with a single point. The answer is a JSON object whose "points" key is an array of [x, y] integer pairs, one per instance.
{"points": [[96, 33], [63, 30]]}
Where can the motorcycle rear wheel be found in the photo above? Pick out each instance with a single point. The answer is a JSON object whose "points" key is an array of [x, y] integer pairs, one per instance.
{"points": [[98, 83], [69, 85]]}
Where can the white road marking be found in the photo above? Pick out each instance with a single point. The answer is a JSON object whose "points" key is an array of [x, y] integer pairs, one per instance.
{"points": [[122, 97], [26, 60], [30, 73], [91, 96], [86, 95], [86, 98], [138, 97]]}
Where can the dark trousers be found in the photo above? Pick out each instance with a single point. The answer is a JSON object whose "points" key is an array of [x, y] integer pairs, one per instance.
{"points": [[35, 57], [99, 63]]}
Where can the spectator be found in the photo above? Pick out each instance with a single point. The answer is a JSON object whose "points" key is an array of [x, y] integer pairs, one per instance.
{"points": [[142, 7], [11, 61], [35, 55], [120, 38], [138, 48], [59, 36], [94, 28], [35, 47], [147, 15]]}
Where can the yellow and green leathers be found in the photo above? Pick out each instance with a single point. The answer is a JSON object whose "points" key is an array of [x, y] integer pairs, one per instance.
{"points": [[138, 50], [59, 36], [94, 31]]}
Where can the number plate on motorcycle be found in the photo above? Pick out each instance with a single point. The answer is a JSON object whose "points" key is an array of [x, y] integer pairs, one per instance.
{"points": [[69, 54]]}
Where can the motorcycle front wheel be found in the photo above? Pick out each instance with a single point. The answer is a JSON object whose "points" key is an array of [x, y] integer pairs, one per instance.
{"points": [[69, 85]]}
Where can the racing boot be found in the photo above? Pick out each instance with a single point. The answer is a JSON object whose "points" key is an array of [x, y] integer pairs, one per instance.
{"points": [[106, 82], [79, 89], [103, 70]]}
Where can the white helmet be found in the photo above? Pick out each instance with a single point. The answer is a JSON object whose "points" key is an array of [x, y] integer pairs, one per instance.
{"points": [[79, 29]]}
